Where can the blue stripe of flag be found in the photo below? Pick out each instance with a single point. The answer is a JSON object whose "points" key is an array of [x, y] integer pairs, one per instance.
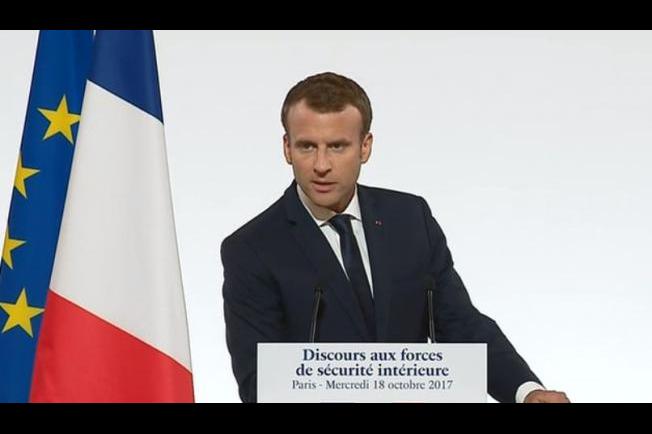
{"points": [[125, 64]]}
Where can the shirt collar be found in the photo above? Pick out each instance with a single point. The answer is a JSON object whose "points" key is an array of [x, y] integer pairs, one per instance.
{"points": [[321, 215]]}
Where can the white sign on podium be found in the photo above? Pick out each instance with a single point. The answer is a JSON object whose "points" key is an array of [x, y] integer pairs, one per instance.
{"points": [[372, 372]]}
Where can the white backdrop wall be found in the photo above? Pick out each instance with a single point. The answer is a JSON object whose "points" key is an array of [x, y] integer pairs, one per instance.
{"points": [[532, 148]]}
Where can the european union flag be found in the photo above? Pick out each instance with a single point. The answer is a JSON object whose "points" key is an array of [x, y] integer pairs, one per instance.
{"points": [[61, 67]]}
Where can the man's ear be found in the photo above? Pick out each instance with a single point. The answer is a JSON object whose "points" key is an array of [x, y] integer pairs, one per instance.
{"points": [[286, 149], [365, 152]]}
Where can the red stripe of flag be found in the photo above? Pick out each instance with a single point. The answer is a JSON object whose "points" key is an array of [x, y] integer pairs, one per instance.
{"points": [[83, 358]]}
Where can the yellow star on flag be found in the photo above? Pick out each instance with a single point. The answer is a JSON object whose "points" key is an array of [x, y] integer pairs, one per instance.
{"points": [[8, 247], [22, 173], [61, 120], [20, 314]]}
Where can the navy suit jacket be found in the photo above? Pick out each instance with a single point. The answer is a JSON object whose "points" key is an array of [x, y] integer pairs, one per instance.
{"points": [[273, 263]]}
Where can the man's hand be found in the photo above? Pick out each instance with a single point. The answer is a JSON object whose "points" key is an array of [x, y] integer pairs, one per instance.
{"points": [[546, 396]]}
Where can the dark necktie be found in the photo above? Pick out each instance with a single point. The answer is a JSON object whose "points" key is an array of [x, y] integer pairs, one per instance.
{"points": [[355, 269]]}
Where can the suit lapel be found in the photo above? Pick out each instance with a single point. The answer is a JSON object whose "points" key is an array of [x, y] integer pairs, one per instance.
{"points": [[378, 248], [316, 248]]}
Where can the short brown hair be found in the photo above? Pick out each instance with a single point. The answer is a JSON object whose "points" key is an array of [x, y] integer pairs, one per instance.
{"points": [[326, 93]]}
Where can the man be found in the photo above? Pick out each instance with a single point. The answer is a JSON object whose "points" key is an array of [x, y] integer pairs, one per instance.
{"points": [[370, 249]]}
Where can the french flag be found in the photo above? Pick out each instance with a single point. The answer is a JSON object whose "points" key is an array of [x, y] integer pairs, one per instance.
{"points": [[115, 327]]}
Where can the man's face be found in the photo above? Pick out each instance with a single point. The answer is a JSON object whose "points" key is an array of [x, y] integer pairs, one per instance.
{"points": [[326, 152]]}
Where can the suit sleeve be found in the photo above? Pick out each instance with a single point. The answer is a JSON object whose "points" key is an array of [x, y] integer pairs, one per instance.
{"points": [[457, 320], [252, 311]]}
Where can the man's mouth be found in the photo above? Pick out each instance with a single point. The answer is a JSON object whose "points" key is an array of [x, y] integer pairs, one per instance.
{"points": [[323, 186]]}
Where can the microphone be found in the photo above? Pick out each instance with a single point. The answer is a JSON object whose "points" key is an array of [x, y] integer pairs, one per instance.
{"points": [[430, 289], [315, 312]]}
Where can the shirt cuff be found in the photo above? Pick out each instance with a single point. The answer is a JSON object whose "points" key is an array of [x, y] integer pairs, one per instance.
{"points": [[525, 389]]}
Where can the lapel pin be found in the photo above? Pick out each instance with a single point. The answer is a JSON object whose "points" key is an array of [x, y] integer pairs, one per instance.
{"points": [[379, 223]]}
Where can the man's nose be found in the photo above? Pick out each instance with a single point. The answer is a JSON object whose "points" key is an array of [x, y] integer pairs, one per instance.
{"points": [[322, 163]]}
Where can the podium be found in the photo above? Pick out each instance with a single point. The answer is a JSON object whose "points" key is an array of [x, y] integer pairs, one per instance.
{"points": [[372, 372]]}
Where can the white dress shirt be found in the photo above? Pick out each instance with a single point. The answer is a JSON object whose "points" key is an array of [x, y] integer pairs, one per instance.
{"points": [[321, 216]]}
